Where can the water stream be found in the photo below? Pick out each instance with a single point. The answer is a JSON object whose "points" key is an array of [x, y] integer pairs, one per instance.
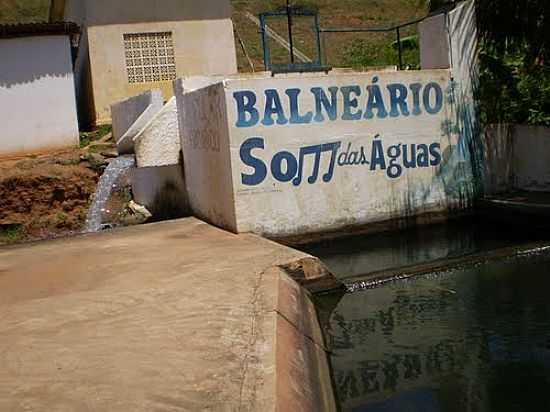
{"points": [[116, 169]]}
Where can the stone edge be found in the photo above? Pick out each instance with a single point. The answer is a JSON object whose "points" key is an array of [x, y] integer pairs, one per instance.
{"points": [[297, 374]]}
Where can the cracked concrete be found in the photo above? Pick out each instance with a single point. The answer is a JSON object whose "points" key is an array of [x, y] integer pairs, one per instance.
{"points": [[175, 316]]}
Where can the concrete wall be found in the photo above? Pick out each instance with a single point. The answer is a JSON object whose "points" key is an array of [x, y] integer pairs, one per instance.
{"points": [[499, 158], [158, 181], [531, 152], [161, 189], [37, 96], [304, 169], [201, 47], [204, 132], [202, 33], [158, 143], [517, 158], [130, 116], [434, 43]]}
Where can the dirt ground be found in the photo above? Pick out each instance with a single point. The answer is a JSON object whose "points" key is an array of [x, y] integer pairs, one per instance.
{"points": [[46, 196]]}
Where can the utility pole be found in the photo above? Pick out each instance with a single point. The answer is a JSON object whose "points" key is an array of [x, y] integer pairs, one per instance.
{"points": [[290, 40]]}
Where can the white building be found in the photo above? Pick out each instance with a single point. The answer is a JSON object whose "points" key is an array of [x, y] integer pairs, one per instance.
{"points": [[37, 94], [129, 47]]}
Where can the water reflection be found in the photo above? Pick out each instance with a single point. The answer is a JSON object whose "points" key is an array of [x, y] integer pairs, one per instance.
{"points": [[352, 257], [470, 340]]}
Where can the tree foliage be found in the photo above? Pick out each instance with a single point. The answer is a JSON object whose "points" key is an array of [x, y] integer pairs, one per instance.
{"points": [[511, 26], [514, 55]]}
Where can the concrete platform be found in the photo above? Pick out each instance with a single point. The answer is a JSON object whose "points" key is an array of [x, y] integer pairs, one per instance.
{"points": [[175, 316]]}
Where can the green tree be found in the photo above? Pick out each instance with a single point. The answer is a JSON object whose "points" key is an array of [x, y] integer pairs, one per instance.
{"points": [[512, 26], [514, 51]]}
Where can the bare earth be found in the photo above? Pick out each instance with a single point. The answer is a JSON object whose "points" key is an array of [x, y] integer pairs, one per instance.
{"points": [[175, 316], [44, 196]]}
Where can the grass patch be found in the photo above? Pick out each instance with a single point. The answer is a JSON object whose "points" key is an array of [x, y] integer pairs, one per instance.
{"points": [[361, 54], [10, 234], [339, 49], [24, 11], [89, 137]]}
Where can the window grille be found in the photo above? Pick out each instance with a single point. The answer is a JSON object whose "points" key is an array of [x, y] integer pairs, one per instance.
{"points": [[149, 57]]}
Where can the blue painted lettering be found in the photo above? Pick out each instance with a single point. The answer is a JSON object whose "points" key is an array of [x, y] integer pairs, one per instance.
{"points": [[260, 170], [350, 103], [415, 89], [322, 101], [438, 104], [435, 152], [398, 99], [394, 169], [422, 158], [295, 117], [248, 115], [377, 154], [273, 106], [375, 101], [277, 166]]}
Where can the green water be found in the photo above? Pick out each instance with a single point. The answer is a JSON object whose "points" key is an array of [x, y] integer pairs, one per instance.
{"points": [[474, 339]]}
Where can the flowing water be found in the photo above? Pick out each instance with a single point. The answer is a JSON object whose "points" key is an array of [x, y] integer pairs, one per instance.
{"points": [[116, 168], [470, 339]]}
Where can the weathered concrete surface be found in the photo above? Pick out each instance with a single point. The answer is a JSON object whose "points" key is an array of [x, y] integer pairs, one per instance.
{"points": [[498, 145], [202, 40], [517, 158], [171, 316], [162, 190], [255, 163], [531, 158], [130, 116], [158, 143], [434, 43]]}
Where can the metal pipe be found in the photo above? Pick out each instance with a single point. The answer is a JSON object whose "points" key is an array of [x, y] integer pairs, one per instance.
{"points": [[290, 39], [264, 42], [373, 30], [399, 49]]}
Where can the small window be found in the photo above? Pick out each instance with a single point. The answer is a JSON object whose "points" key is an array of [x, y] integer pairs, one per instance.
{"points": [[149, 57]]}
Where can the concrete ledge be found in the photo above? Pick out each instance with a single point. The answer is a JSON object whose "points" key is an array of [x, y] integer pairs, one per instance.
{"points": [[162, 190], [175, 315], [130, 116], [158, 143], [369, 280]]}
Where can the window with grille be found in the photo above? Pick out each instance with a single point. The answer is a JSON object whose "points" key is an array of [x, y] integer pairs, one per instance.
{"points": [[149, 57]]}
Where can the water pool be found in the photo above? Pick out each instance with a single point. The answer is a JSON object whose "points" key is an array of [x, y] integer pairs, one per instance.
{"points": [[475, 339]]}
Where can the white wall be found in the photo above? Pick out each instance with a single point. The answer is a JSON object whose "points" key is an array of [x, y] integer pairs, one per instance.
{"points": [[130, 116], [355, 195], [158, 143], [267, 196], [204, 133], [37, 95]]}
